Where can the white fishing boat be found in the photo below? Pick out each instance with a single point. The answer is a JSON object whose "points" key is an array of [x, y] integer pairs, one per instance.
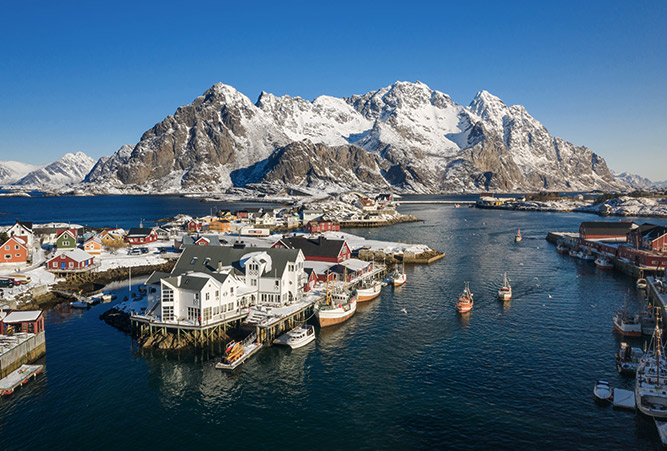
{"points": [[369, 291], [651, 382], [339, 307], [641, 284], [627, 324], [602, 391], [603, 263], [586, 256], [517, 237], [297, 337], [505, 292], [80, 304], [398, 277], [628, 358]]}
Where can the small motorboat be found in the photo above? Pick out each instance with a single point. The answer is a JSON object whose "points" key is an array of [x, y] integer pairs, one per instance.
{"points": [[628, 358], [465, 302], [602, 391], [80, 304], [517, 237], [561, 248], [586, 255], [573, 252], [399, 278], [297, 337], [602, 263], [641, 284]]}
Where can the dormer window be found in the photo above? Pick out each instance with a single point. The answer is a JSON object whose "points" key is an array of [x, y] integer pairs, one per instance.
{"points": [[194, 260]]}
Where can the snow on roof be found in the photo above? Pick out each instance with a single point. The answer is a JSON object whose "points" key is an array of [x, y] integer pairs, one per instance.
{"points": [[78, 255], [22, 316], [355, 264], [318, 267]]}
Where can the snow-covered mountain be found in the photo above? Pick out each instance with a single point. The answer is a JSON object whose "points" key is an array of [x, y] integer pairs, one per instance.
{"points": [[12, 171], [405, 136], [633, 181], [67, 170]]}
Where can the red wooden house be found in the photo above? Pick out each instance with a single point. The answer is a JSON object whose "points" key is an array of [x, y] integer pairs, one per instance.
{"points": [[322, 226], [649, 237], [75, 260], [141, 236], [30, 321], [311, 281], [194, 225], [15, 250], [605, 230], [317, 249]]}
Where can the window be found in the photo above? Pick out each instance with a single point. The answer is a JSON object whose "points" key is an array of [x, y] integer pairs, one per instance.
{"points": [[167, 313], [208, 296], [231, 290], [193, 313], [230, 306], [8, 247], [70, 265], [291, 268], [18, 255], [277, 283], [167, 294], [194, 260], [8, 256], [207, 313], [65, 243], [253, 282], [16, 247]]}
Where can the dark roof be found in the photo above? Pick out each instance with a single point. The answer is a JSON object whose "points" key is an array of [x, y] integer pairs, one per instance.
{"points": [[655, 232], [156, 277], [314, 247], [607, 227], [26, 224], [136, 231], [206, 258], [214, 240], [188, 282]]}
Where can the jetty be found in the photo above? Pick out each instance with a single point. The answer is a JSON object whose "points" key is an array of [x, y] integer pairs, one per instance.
{"points": [[250, 347], [19, 377]]}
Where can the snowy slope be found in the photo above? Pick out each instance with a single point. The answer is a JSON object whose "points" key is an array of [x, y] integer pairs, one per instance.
{"points": [[12, 171], [69, 169]]}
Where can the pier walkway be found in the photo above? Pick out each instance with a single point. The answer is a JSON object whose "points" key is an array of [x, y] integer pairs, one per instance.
{"points": [[18, 378]]}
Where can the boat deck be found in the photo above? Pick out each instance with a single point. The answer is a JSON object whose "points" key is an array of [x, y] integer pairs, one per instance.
{"points": [[624, 399], [19, 377], [248, 350]]}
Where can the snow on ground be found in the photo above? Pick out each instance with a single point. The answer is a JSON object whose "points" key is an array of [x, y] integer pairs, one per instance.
{"points": [[388, 247]]}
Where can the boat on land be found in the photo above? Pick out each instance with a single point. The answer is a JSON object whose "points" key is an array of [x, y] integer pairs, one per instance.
{"points": [[602, 391], [399, 278], [641, 284], [238, 352], [297, 337], [628, 358], [505, 292], [650, 383], [369, 291], [603, 263], [561, 248], [465, 302], [339, 306], [517, 237]]}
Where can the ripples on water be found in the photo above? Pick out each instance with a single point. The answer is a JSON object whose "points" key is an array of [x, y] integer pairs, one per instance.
{"points": [[512, 375]]}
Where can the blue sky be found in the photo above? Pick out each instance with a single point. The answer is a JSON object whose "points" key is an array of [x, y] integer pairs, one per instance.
{"points": [[93, 76]]}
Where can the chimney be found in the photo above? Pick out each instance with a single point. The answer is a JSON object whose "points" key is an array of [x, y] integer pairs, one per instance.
{"points": [[219, 266]]}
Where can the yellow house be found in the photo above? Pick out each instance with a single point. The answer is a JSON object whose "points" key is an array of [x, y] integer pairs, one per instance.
{"points": [[112, 237], [93, 246], [219, 226]]}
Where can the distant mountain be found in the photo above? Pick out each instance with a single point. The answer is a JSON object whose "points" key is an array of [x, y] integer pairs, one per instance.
{"points": [[633, 181], [406, 137], [12, 171], [662, 184], [69, 169]]}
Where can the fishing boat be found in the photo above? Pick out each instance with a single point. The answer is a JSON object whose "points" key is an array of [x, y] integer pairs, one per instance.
{"points": [[80, 304], [399, 278], [627, 324], [650, 384], [641, 284], [586, 255], [602, 263], [602, 391], [628, 358], [517, 237], [561, 248], [573, 253], [505, 292], [465, 302], [369, 290], [339, 307], [297, 337]]}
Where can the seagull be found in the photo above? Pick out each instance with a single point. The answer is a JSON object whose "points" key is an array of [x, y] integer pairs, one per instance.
{"points": [[404, 311], [535, 278], [550, 296]]}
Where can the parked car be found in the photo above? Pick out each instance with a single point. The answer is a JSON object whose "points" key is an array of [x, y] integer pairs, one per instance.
{"points": [[6, 282]]}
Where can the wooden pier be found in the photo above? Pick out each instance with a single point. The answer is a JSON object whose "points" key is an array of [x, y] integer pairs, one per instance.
{"points": [[18, 378]]}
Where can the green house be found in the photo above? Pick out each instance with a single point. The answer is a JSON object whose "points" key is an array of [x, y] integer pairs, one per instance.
{"points": [[66, 239]]}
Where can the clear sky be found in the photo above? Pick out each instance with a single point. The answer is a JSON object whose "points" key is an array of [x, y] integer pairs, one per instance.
{"points": [[93, 76]]}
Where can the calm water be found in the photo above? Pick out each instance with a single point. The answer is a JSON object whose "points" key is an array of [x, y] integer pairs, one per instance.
{"points": [[518, 375]]}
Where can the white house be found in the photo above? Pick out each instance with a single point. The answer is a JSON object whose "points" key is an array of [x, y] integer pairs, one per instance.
{"points": [[210, 284], [22, 229]]}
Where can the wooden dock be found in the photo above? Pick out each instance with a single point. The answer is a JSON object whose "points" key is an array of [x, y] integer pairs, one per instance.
{"points": [[18, 378]]}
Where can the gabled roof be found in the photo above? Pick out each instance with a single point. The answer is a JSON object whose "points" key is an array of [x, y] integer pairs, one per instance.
{"points": [[607, 227], [18, 239], [195, 281], [19, 316], [78, 255], [156, 277], [95, 239], [139, 232], [213, 240], [71, 232], [315, 247], [655, 233], [206, 259]]}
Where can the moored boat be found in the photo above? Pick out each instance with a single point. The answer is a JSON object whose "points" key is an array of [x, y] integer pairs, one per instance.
{"points": [[602, 263], [561, 248], [297, 337], [586, 255], [573, 252], [628, 325], [238, 352], [641, 284], [399, 278], [517, 237], [628, 358], [505, 292], [369, 291], [465, 302], [339, 307], [602, 391], [650, 383]]}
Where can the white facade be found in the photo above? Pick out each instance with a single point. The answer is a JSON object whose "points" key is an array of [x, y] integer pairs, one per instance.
{"points": [[19, 229]]}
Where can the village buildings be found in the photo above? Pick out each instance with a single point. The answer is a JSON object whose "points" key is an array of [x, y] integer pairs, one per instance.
{"points": [[141, 235], [72, 261]]}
